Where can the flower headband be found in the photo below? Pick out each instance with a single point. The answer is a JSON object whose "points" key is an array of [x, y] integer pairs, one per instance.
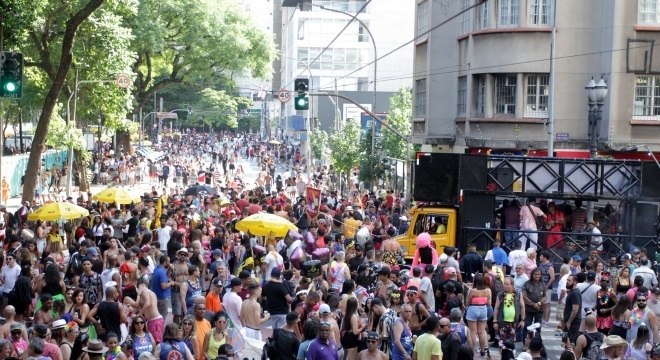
{"points": [[71, 326]]}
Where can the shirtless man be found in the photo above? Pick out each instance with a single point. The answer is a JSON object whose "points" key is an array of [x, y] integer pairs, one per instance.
{"points": [[44, 315], [148, 307], [180, 268], [128, 271], [5, 329], [420, 312], [372, 352], [251, 313]]}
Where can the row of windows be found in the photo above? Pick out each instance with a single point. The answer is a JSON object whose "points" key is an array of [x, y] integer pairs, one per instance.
{"points": [[503, 95], [536, 94], [326, 29], [507, 14], [331, 59]]}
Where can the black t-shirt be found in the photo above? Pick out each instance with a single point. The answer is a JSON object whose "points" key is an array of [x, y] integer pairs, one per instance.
{"points": [[355, 262], [132, 226], [276, 293], [286, 344], [573, 297]]}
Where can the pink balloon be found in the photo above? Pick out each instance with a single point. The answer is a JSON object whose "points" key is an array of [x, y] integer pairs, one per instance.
{"points": [[297, 258], [321, 254], [259, 250], [294, 235], [310, 242]]}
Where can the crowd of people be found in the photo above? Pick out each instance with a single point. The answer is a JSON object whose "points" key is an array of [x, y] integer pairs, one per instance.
{"points": [[171, 277]]}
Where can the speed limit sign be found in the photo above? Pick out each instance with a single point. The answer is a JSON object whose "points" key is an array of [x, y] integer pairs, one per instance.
{"points": [[284, 95], [123, 81]]}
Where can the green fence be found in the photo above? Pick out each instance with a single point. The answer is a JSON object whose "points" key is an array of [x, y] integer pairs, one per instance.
{"points": [[13, 167]]}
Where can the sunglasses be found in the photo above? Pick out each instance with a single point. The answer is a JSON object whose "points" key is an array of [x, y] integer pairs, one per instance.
{"points": [[411, 294], [372, 341], [187, 323], [139, 323], [443, 326], [641, 300]]}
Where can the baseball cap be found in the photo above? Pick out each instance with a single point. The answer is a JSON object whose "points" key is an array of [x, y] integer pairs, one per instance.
{"points": [[182, 250], [41, 330], [450, 271], [444, 258], [245, 274], [235, 282], [276, 272], [92, 251], [372, 335], [15, 326], [591, 275], [146, 248], [217, 252], [324, 309]]}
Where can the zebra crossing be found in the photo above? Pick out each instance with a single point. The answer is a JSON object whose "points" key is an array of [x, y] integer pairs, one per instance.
{"points": [[551, 339]]}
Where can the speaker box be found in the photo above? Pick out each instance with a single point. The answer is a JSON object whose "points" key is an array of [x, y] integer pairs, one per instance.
{"points": [[650, 180], [436, 177]]}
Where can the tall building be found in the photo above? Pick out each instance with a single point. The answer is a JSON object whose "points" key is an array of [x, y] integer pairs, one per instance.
{"points": [[305, 39], [482, 80]]}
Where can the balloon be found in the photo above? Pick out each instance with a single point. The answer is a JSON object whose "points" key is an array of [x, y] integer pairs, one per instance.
{"points": [[321, 254], [259, 250], [310, 242], [311, 268], [294, 235], [297, 258]]}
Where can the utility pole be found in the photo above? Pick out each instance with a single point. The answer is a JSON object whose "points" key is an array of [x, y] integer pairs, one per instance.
{"points": [[160, 123]]}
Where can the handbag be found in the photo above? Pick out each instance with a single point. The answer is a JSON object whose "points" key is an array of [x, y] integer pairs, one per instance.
{"points": [[537, 219]]}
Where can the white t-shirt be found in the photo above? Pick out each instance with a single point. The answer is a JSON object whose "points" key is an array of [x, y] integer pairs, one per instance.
{"points": [[164, 237], [516, 257], [561, 285], [232, 304], [589, 296], [9, 276], [273, 260], [426, 286]]}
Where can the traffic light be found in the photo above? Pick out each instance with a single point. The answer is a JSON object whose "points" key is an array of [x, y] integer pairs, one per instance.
{"points": [[11, 75], [301, 100]]}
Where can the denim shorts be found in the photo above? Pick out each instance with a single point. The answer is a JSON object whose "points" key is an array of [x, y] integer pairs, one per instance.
{"points": [[477, 313]]}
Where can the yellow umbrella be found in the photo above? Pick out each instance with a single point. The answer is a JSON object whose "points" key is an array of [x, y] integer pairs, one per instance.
{"points": [[223, 202], [115, 195], [58, 211], [275, 142], [264, 224]]}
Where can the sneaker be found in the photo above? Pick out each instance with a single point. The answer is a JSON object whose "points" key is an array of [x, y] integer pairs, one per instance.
{"points": [[545, 323]]}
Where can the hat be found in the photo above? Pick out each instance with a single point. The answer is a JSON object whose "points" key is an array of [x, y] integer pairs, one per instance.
{"points": [[656, 291], [450, 271], [591, 275], [324, 309], [245, 274], [217, 252], [292, 317], [276, 272], [577, 258], [349, 208], [444, 258], [192, 206], [92, 251], [612, 340], [625, 257], [58, 324], [404, 218], [95, 347], [372, 335], [15, 326], [524, 356], [146, 248], [182, 250], [41, 330], [235, 282]]}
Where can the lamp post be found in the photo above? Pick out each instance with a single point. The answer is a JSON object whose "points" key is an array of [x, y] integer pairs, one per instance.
{"points": [[373, 43], [596, 94]]}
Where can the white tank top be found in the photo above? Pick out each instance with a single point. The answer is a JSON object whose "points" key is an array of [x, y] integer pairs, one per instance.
{"points": [[106, 277]]}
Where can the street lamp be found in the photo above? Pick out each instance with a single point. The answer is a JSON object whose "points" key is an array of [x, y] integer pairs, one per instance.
{"points": [[596, 94]]}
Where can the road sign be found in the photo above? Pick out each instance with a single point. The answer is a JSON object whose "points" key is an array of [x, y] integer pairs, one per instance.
{"points": [[123, 81], [284, 95], [166, 115]]}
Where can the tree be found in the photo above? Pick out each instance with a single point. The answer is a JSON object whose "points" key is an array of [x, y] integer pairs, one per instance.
{"points": [[399, 117], [319, 140], [345, 152], [80, 13]]}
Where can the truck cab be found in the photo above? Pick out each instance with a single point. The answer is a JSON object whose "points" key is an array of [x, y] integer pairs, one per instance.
{"points": [[439, 221]]}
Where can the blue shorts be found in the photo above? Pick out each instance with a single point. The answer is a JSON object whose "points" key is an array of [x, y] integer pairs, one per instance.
{"points": [[477, 313]]}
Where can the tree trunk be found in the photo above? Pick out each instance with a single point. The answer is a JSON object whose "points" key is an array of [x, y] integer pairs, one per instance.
{"points": [[81, 170], [124, 141], [39, 141]]}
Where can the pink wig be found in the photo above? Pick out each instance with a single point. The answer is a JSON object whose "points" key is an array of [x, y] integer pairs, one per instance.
{"points": [[423, 240]]}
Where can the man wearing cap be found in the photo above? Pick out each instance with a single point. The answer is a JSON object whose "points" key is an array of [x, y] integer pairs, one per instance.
{"points": [[232, 303], [326, 315], [251, 316], [49, 350], [372, 352], [324, 346]]}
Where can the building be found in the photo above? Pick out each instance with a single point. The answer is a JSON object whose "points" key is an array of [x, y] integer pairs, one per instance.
{"points": [[305, 39], [482, 80]]}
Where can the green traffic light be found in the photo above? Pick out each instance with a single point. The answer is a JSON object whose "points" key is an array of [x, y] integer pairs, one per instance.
{"points": [[11, 87], [302, 102]]}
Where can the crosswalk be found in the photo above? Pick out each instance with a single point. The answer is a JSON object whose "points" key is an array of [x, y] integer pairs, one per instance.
{"points": [[551, 339]]}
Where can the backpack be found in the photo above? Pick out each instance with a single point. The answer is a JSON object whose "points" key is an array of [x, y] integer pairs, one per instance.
{"points": [[496, 284], [593, 347], [270, 348], [459, 330]]}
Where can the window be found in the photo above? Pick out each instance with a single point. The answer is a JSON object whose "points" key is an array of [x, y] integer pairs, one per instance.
{"points": [[536, 105], [461, 102], [509, 12], [420, 98], [480, 94], [505, 94], [301, 29], [423, 15], [363, 84], [647, 97], [363, 34], [482, 15], [432, 224], [539, 12], [465, 17], [648, 12], [331, 59]]}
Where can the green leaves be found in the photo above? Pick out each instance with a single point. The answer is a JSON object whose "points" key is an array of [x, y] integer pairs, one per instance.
{"points": [[344, 147], [399, 118]]}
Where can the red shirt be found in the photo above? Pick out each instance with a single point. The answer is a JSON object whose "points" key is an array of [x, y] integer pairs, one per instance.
{"points": [[242, 203]]}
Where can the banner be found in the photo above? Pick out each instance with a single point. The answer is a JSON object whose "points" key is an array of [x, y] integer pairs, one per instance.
{"points": [[313, 197]]}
